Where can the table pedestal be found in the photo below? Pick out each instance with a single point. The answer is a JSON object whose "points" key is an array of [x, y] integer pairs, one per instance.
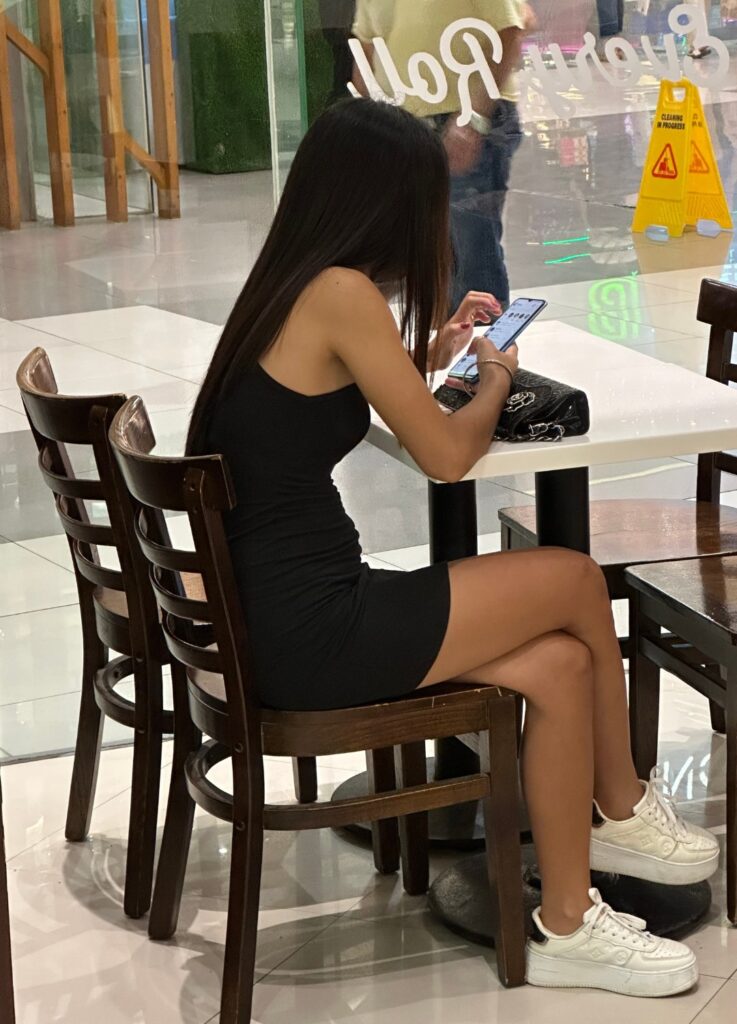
{"points": [[461, 898]]}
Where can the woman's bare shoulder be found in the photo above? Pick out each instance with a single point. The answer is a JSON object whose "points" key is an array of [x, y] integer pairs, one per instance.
{"points": [[341, 287]]}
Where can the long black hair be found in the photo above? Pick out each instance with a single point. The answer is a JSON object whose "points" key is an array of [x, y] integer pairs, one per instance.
{"points": [[369, 190]]}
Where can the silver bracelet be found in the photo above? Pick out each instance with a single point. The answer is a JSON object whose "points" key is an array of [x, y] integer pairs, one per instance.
{"points": [[497, 362]]}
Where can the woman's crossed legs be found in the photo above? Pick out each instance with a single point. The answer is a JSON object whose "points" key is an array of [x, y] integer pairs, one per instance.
{"points": [[540, 623]]}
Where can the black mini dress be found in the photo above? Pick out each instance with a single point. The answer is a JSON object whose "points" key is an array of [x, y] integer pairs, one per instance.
{"points": [[325, 630]]}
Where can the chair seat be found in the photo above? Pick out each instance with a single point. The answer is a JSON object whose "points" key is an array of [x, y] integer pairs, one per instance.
{"points": [[630, 531], [315, 733], [706, 588]]}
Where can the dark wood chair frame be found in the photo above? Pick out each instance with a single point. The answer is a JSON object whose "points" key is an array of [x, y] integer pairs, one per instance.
{"points": [[209, 638], [118, 612], [130, 626], [717, 307], [667, 634]]}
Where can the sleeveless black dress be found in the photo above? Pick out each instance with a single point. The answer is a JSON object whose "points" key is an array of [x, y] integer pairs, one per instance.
{"points": [[325, 630]]}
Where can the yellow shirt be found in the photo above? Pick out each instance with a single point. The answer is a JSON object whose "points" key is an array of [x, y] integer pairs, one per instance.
{"points": [[411, 26]]}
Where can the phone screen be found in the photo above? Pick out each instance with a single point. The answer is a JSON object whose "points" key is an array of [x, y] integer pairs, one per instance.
{"points": [[507, 329], [511, 324]]}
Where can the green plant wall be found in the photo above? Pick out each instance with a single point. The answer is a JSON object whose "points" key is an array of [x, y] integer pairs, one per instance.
{"points": [[222, 70]]}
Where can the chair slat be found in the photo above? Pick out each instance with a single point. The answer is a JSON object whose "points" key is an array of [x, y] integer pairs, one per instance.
{"points": [[63, 486], [182, 607], [99, 575], [396, 803], [97, 534], [166, 557], [207, 659]]}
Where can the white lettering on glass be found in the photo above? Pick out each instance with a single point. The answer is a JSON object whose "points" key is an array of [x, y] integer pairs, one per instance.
{"points": [[478, 65], [428, 78]]}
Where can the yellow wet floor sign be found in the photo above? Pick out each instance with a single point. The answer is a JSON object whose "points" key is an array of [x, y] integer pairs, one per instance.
{"points": [[681, 183]]}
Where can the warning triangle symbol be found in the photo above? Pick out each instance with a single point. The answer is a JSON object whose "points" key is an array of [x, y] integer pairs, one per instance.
{"points": [[665, 165], [698, 161]]}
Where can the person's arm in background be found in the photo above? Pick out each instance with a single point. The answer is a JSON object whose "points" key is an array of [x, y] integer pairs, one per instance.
{"points": [[364, 31], [513, 21]]}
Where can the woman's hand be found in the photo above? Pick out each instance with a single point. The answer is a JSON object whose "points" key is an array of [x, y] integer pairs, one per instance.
{"points": [[455, 336]]}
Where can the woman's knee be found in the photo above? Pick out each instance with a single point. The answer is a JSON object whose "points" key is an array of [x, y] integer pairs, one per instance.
{"points": [[567, 671], [581, 575], [569, 658]]}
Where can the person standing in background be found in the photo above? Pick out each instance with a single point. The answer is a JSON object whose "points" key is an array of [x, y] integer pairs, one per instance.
{"points": [[336, 20], [611, 17], [481, 153], [611, 22], [694, 50]]}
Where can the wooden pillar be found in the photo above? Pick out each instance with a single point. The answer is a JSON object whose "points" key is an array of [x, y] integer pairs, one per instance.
{"points": [[57, 113], [111, 109], [49, 59], [9, 187], [164, 106], [163, 163]]}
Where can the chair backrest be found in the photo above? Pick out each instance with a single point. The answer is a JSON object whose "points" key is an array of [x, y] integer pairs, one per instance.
{"points": [[58, 421], [718, 308], [202, 634]]}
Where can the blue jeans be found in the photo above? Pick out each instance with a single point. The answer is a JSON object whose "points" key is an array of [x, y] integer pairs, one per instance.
{"points": [[477, 209], [611, 17]]}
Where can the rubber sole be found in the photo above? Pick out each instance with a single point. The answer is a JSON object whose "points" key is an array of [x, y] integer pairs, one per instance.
{"points": [[556, 972], [613, 860]]}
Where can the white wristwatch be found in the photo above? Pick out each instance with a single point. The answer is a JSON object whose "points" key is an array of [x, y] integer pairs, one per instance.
{"points": [[480, 124]]}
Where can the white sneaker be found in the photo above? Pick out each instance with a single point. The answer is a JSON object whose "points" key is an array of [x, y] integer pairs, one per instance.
{"points": [[655, 843], [613, 952]]}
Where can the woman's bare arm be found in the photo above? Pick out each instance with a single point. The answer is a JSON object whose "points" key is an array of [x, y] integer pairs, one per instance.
{"points": [[363, 334]]}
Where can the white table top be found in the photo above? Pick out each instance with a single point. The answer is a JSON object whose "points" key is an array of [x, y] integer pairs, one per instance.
{"points": [[641, 408]]}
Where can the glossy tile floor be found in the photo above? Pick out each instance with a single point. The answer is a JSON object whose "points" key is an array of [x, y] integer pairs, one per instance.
{"points": [[337, 943]]}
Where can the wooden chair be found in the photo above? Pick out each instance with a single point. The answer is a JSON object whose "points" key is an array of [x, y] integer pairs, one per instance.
{"points": [[7, 1001], [627, 532], [118, 612], [695, 602], [208, 637]]}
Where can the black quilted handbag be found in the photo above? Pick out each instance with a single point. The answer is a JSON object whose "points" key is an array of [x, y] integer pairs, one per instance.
{"points": [[538, 409]]}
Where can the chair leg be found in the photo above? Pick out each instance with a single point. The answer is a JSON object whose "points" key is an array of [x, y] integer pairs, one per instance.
{"points": [[89, 734], [498, 752], [644, 695], [384, 834], [410, 763], [718, 718], [179, 819], [731, 724], [7, 1001], [144, 790], [519, 712], [242, 930], [305, 779]]}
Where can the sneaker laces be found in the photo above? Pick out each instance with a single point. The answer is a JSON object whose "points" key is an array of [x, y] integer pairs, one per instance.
{"points": [[664, 806], [609, 922]]}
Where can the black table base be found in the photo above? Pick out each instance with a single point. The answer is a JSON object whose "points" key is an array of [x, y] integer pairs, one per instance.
{"points": [[461, 899]]}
